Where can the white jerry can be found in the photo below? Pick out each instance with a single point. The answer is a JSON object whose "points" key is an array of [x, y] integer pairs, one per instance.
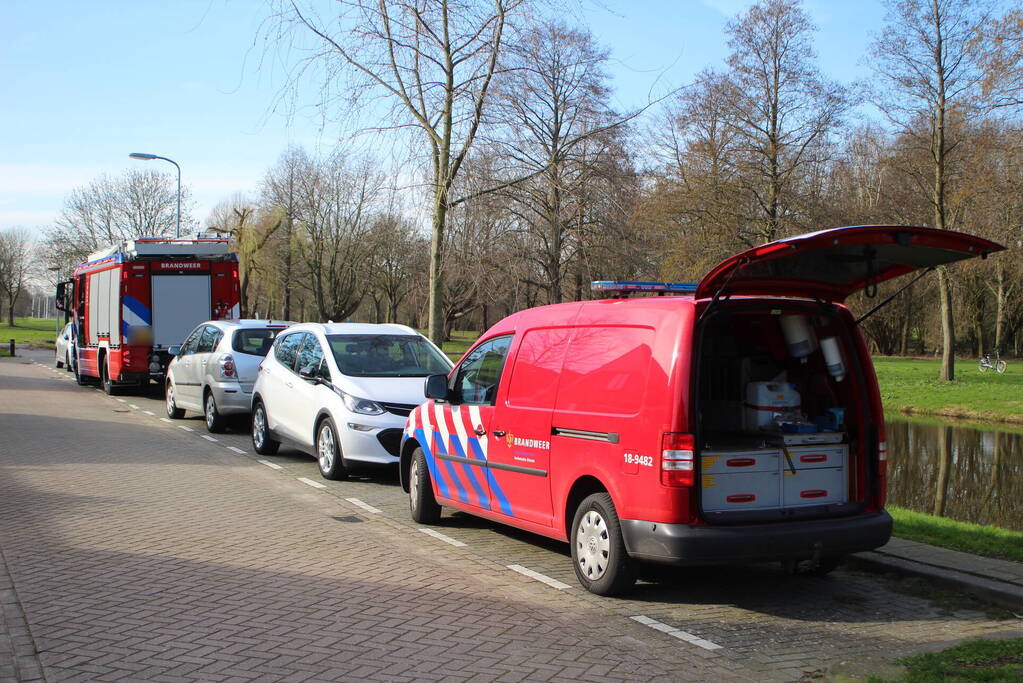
{"points": [[764, 400]]}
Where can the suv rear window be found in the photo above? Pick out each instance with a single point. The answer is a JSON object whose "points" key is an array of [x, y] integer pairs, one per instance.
{"points": [[255, 341]]}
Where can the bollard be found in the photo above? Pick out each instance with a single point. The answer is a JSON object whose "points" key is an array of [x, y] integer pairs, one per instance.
{"points": [[12, 348]]}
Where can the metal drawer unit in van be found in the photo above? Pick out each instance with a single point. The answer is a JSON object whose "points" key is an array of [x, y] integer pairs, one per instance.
{"points": [[762, 478], [820, 476]]}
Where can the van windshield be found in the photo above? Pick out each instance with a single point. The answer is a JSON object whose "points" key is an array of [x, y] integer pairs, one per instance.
{"points": [[386, 355]]}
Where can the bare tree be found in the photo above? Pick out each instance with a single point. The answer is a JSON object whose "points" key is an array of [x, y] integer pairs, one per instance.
{"points": [[927, 61], [250, 230], [280, 192], [399, 255], [433, 61], [140, 203], [15, 266]]}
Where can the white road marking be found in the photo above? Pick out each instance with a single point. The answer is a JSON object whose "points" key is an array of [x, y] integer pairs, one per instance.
{"points": [[310, 482], [447, 539], [187, 429], [132, 405], [236, 450], [121, 400], [164, 419], [272, 465], [553, 583], [676, 633], [365, 506], [208, 437], [149, 412]]}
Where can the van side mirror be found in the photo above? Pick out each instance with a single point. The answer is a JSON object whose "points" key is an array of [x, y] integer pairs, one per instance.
{"points": [[174, 350], [436, 387]]}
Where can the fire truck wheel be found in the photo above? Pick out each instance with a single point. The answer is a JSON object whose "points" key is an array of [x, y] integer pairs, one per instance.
{"points": [[261, 439], [173, 411], [598, 550], [81, 379], [424, 507], [109, 387], [215, 422], [328, 451]]}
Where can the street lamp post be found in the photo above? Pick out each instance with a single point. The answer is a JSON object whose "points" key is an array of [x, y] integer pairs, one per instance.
{"points": [[149, 157]]}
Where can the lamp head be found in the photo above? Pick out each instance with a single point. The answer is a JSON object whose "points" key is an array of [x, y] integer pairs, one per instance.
{"points": [[142, 155]]}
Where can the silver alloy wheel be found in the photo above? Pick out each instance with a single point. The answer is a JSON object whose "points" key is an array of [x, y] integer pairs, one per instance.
{"points": [[325, 447], [258, 426], [211, 409], [413, 483], [593, 546]]}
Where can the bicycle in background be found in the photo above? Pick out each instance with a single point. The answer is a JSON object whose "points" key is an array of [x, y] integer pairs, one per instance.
{"points": [[997, 364]]}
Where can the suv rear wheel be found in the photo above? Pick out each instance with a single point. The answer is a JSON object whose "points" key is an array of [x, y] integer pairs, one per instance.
{"points": [[261, 439], [598, 550]]}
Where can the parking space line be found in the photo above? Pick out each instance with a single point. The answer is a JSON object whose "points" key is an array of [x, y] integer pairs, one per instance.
{"points": [[132, 405], [149, 412], [365, 506], [208, 437], [525, 571], [187, 429], [164, 419], [236, 450], [121, 400], [310, 482], [271, 465], [443, 537], [676, 633]]}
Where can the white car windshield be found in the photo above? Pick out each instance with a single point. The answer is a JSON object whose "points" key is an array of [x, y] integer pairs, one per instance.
{"points": [[386, 355]]}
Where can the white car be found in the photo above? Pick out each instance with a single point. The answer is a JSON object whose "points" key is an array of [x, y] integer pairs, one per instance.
{"points": [[214, 369], [65, 347], [342, 391]]}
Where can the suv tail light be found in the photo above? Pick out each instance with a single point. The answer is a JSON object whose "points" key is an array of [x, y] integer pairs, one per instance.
{"points": [[227, 368], [677, 459]]}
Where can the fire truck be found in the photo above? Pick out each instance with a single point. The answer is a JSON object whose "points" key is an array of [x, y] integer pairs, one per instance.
{"points": [[133, 300]]}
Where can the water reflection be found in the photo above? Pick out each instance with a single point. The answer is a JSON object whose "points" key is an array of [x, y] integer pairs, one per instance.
{"points": [[968, 474]]}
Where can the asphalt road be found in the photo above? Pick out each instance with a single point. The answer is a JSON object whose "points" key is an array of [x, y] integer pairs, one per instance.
{"points": [[464, 599]]}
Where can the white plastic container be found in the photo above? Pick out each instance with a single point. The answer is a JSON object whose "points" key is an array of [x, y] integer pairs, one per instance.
{"points": [[799, 335], [833, 358], [764, 400]]}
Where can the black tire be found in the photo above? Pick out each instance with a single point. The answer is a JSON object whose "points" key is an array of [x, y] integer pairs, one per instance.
{"points": [[328, 451], [262, 442], [67, 363], [601, 562], [109, 388], [421, 502], [59, 363], [173, 412], [215, 422]]}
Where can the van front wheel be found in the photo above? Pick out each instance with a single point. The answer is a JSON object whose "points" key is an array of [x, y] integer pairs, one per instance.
{"points": [[598, 550], [424, 507]]}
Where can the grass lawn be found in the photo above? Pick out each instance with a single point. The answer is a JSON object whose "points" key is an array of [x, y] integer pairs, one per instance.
{"points": [[37, 331], [912, 386], [978, 539], [973, 660]]}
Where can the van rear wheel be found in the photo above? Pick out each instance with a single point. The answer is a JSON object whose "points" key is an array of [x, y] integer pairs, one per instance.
{"points": [[598, 550], [825, 565], [424, 507]]}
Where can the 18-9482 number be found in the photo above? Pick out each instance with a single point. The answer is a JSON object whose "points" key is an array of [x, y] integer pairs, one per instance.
{"points": [[642, 460]]}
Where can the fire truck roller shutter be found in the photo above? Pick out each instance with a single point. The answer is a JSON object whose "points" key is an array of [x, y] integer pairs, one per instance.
{"points": [[104, 306], [180, 302]]}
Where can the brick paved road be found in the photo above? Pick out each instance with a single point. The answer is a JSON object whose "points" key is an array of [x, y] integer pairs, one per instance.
{"points": [[138, 550]]}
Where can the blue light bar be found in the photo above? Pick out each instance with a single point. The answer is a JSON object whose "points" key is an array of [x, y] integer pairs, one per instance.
{"points": [[625, 286]]}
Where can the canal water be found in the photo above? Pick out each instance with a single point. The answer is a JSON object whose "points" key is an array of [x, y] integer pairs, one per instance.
{"points": [[959, 472]]}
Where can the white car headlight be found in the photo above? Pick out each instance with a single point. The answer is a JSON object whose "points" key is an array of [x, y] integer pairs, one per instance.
{"points": [[360, 405]]}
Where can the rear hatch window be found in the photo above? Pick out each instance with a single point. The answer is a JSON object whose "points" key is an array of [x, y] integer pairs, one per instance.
{"points": [[255, 341]]}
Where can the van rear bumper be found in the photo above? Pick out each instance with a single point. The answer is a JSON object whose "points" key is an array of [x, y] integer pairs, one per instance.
{"points": [[683, 544]]}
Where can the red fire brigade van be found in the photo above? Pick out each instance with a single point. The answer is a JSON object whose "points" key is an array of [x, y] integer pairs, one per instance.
{"points": [[740, 422], [133, 300]]}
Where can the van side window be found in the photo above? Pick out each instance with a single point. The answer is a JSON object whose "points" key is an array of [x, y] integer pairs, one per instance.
{"points": [[480, 373]]}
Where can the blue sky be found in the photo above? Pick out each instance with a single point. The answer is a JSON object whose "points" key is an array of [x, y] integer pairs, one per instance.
{"points": [[86, 83]]}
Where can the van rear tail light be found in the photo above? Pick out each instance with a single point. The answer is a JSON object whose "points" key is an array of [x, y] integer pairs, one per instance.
{"points": [[677, 460]]}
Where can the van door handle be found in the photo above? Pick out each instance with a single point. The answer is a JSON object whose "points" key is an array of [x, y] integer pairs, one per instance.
{"points": [[481, 432], [499, 432]]}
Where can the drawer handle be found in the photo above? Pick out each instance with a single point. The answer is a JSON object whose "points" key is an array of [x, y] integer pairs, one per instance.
{"points": [[812, 458], [740, 462], [813, 493], [741, 498]]}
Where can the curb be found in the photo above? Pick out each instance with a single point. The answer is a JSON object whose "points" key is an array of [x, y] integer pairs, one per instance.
{"points": [[997, 592]]}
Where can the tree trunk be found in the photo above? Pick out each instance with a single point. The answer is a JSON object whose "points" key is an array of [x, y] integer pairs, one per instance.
{"points": [[436, 305], [999, 305], [947, 326], [944, 467], [907, 308]]}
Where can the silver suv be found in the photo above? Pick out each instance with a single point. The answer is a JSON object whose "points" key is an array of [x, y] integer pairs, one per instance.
{"points": [[213, 370]]}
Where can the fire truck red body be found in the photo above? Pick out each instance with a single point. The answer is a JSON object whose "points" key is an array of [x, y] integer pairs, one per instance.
{"points": [[133, 300]]}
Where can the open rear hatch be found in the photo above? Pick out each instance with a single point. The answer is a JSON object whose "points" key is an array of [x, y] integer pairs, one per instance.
{"points": [[786, 424], [832, 264]]}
